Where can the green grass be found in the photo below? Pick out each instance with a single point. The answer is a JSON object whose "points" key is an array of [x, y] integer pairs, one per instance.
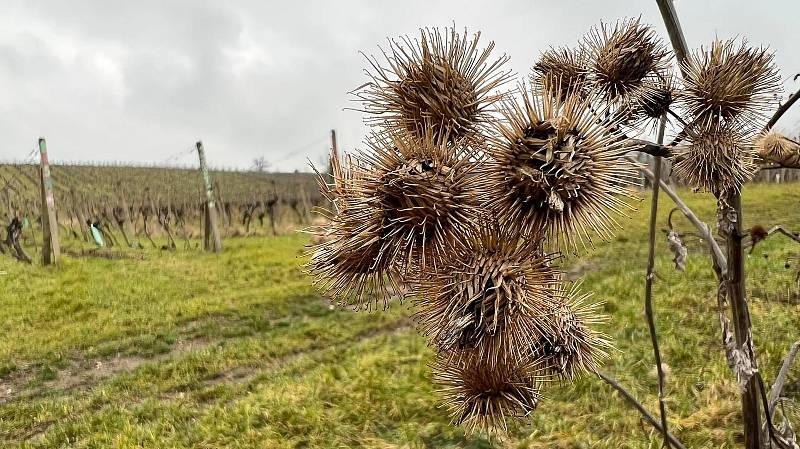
{"points": [[188, 349]]}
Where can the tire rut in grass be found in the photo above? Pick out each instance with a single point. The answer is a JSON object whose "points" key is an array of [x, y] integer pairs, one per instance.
{"points": [[85, 373], [81, 370], [236, 375], [246, 374]]}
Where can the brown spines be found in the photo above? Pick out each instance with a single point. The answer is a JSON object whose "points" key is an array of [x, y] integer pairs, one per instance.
{"points": [[465, 192], [715, 158], [350, 262], [776, 148], [440, 84], [573, 348], [480, 396], [556, 170], [488, 297], [623, 57], [653, 101], [561, 71], [657, 97], [424, 190], [728, 89], [729, 84], [396, 208], [503, 322]]}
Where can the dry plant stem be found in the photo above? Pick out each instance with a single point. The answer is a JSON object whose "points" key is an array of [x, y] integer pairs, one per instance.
{"points": [[653, 149], [648, 292], [676, 37], [730, 224], [781, 230], [782, 110], [730, 227], [720, 261], [638, 405], [659, 150], [733, 284], [777, 387]]}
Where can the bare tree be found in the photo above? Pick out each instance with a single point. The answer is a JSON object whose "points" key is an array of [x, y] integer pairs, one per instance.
{"points": [[260, 164]]}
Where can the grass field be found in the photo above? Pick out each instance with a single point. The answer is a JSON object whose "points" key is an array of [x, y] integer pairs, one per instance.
{"points": [[187, 349]]}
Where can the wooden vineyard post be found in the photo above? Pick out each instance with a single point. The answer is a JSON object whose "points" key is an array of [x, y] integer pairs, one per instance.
{"points": [[78, 211], [211, 238], [51, 250], [334, 152], [126, 227]]}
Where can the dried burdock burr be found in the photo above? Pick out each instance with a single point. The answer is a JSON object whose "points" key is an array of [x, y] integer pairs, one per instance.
{"points": [[351, 264], [779, 149], [757, 234], [622, 57], [715, 158], [424, 189], [575, 348], [561, 71], [653, 101], [441, 84], [490, 296], [483, 396], [730, 84], [558, 170]]}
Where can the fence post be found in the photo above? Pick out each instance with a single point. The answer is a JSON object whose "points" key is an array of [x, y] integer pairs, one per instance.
{"points": [[211, 238], [51, 251]]}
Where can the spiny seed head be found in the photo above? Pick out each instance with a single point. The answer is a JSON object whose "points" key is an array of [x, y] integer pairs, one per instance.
{"points": [[656, 99], [652, 101], [351, 263], [575, 348], [777, 148], [487, 297], [715, 158], [623, 57], [482, 396], [730, 84], [556, 169], [441, 84], [337, 186], [424, 191], [561, 71], [349, 260]]}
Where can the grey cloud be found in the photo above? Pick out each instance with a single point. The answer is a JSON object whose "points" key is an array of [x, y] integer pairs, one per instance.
{"points": [[113, 80]]}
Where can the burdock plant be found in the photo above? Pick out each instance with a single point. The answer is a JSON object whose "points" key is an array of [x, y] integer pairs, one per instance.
{"points": [[730, 83], [727, 90], [623, 57], [480, 395], [557, 169], [396, 207], [778, 149], [352, 264], [715, 158], [465, 194], [492, 295], [441, 84], [574, 347], [423, 188], [654, 101], [561, 71]]}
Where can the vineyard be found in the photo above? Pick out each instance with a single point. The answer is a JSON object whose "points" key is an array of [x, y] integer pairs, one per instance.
{"points": [[192, 350], [600, 251], [156, 206]]}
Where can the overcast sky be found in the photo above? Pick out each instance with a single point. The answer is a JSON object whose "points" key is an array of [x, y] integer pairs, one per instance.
{"points": [[143, 80]]}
